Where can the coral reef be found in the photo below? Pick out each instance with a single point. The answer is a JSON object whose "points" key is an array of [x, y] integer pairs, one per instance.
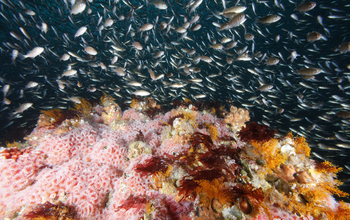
{"points": [[99, 162]]}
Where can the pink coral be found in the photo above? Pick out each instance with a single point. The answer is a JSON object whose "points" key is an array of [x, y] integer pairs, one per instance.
{"points": [[169, 147], [132, 114]]}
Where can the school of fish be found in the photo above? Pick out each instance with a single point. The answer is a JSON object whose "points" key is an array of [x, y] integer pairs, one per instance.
{"points": [[286, 61]]}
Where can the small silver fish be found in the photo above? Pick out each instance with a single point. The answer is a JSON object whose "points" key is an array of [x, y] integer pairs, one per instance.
{"points": [[70, 72], [265, 87], [90, 50], [306, 6], [22, 108], [141, 93], [33, 53], [78, 8], [31, 84], [80, 31], [269, 19]]}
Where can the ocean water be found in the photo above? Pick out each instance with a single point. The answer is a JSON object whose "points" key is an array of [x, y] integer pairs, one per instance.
{"points": [[310, 106]]}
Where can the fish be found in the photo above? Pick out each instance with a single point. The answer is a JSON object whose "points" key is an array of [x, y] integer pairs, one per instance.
{"points": [[120, 71], [146, 27], [346, 146], [200, 96], [343, 114], [195, 5], [344, 47], [134, 83], [65, 57], [313, 36], [137, 45], [14, 56], [24, 33], [80, 31], [309, 71], [234, 9], [293, 56], [158, 54], [44, 27], [6, 101], [272, 61], [141, 93], [23, 107], [90, 50], [109, 22], [5, 89], [78, 8], [265, 87], [178, 85], [269, 19], [249, 36], [31, 84], [33, 53], [244, 57], [75, 99], [235, 21], [70, 72], [160, 5], [306, 6]]}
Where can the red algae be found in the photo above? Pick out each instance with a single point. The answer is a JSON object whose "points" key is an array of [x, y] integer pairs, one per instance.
{"points": [[152, 165], [134, 202], [257, 132], [99, 162]]}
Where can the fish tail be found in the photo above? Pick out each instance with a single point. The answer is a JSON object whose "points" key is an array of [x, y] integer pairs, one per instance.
{"points": [[21, 56], [256, 19]]}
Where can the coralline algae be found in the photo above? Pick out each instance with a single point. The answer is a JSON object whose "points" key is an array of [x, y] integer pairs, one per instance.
{"points": [[99, 162]]}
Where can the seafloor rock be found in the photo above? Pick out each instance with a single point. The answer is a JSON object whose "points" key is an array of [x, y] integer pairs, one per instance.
{"points": [[98, 162]]}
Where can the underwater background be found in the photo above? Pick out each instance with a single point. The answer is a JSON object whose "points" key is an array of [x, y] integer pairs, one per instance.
{"points": [[316, 108]]}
